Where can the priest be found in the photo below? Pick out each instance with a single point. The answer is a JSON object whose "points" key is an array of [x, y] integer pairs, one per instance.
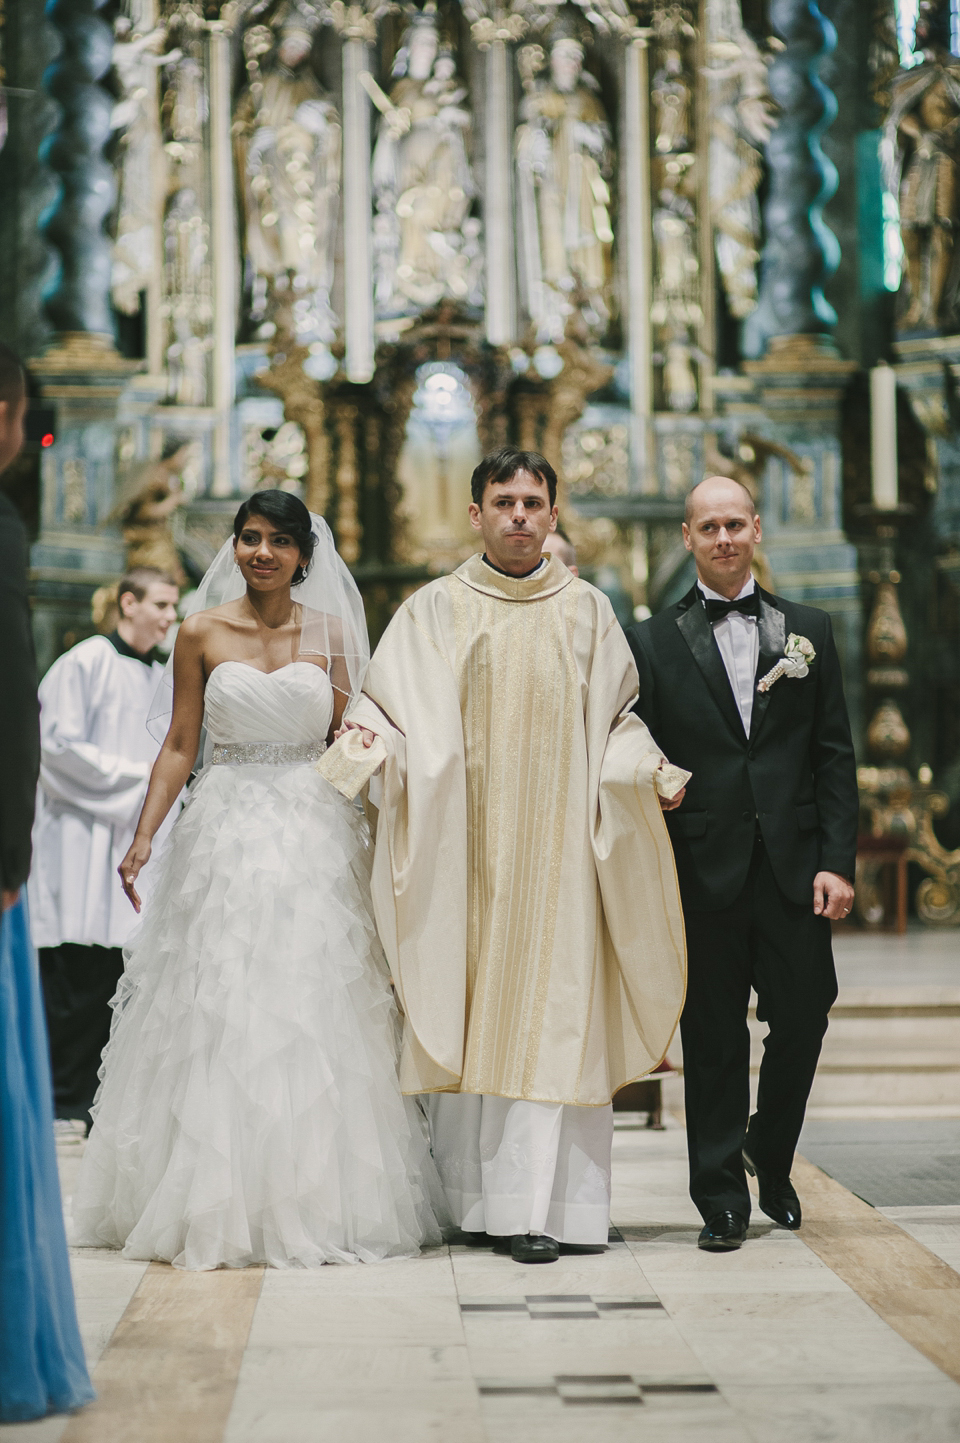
{"points": [[95, 760], [523, 881]]}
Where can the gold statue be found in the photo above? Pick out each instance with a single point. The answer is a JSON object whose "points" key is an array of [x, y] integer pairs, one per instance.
{"points": [[148, 500], [922, 129], [287, 137], [564, 158], [422, 182]]}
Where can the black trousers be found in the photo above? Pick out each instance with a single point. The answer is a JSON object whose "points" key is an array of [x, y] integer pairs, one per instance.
{"points": [[782, 950], [78, 983]]}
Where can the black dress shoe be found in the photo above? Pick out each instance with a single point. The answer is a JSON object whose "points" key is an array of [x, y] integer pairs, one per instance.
{"points": [[582, 1249], [778, 1198], [472, 1240], [528, 1248], [723, 1233]]}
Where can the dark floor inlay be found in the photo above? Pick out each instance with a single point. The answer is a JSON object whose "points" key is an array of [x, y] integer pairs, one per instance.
{"points": [[588, 1389], [562, 1306]]}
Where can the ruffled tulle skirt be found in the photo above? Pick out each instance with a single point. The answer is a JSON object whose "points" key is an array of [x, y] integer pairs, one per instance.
{"points": [[249, 1109]]}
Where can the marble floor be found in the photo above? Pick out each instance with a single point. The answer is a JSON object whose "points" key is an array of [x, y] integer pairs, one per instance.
{"points": [[790, 1340], [848, 1330]]}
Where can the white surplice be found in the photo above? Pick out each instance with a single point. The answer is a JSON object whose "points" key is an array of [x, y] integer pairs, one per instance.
{"points": [[509, 1166], [95, 762]]}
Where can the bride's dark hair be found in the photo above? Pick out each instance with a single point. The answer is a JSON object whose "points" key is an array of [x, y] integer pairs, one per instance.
{"points": [[286, 512]]}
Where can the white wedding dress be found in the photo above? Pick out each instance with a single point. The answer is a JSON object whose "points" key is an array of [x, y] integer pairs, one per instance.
{"points": [[249, 1109]]}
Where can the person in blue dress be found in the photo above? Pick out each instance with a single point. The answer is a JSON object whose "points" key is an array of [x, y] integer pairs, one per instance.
{"points": [[42, 1367]]}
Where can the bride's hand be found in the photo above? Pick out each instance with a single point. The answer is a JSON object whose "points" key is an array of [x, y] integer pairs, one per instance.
{"points": [[129, 869], [352, 727]]}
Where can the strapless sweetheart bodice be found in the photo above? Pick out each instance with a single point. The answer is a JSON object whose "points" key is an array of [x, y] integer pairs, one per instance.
{"points": [[292, 705]]}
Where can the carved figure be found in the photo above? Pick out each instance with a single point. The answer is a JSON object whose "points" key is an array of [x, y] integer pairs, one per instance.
{"points": [[677, 268], [136, 59], [741, 120], [671, 103], [287, 139], [422, 182], [563, 158], [187, 274], [923, 132], [147, 504]]}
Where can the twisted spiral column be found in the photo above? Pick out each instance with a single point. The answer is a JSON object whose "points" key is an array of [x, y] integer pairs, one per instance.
{"points": [[79, 300], [800, 252]]}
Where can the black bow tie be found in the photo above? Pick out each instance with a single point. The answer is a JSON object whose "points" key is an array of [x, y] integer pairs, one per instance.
{"points": [[717, 610]]}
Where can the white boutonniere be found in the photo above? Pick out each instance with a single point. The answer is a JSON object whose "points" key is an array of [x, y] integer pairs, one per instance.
{"points": [[798, 657]]}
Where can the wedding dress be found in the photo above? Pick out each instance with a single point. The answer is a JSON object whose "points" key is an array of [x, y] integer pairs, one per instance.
{"points": [[249, 1109]]}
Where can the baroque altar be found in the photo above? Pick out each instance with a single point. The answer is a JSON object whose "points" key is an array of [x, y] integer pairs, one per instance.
{"points": [[347, 248]]}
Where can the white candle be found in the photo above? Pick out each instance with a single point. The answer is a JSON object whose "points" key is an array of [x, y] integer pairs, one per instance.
{"points": [[883, 437]]}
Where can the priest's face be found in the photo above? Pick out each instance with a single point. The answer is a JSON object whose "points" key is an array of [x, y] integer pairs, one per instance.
{"points": [[144, 624], [722, 530], [514, 520]]}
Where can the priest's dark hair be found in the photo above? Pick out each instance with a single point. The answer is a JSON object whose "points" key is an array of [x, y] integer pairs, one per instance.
{"points": [[13, 383], [501, 466], [139, 578], [287, 512]]}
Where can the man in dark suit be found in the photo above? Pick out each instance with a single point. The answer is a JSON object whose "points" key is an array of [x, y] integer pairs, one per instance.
{"points": [[19, 708], [765, 846]]}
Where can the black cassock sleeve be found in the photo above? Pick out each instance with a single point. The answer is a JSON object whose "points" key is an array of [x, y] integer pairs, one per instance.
{"points": [[19, 707]]}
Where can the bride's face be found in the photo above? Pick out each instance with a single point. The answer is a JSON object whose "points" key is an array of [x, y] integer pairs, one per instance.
{"points": [[267, 556]]}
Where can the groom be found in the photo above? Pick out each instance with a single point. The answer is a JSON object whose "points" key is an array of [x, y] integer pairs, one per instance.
{"points": [[523, 885], [765, 845]]}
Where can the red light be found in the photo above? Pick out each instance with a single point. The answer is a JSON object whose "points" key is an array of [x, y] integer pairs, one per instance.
{"points": [[47, 440]]}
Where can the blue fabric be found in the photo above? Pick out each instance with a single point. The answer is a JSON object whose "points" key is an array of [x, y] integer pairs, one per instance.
{"points": [[42, 1368]]}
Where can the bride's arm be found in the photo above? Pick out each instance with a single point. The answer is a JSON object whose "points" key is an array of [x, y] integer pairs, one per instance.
{"points": [[173, 766]]}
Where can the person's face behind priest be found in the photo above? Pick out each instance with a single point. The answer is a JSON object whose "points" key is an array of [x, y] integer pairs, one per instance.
{"points": [[514, 517], [13, 406], [146, 619], [721, 528]]}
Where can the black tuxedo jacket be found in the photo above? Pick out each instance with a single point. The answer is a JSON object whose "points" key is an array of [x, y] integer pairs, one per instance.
{"points": [[794, 773], [19, 708]]}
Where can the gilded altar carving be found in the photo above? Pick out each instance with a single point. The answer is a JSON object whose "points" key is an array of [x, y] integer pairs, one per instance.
{"points": [[186, 309], [893, 804], [676, 313], [741, 119], [923, 136], [564, 163], [426, 244], [138, 56], [288, 145]]}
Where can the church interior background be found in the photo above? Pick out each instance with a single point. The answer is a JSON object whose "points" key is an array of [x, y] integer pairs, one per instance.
{"points": [[345, 248]]}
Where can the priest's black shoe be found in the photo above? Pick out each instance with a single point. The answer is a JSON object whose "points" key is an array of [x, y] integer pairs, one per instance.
{"points": [[528, 1248], [723, 1233], [472, 1240], [778, 1198]]}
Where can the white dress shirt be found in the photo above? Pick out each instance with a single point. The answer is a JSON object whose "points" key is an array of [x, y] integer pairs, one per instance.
{"points": [[739, 642]]}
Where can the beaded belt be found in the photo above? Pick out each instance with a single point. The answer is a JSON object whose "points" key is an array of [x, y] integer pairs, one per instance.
{"points": [[267, 754]]}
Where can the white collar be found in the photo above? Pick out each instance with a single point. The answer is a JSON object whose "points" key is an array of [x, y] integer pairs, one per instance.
{"points": [[748, 587]]}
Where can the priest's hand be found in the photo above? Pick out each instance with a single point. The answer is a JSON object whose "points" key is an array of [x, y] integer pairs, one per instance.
{"points": [[129, 869], [832, 896], [668, 805], [352, 727]]}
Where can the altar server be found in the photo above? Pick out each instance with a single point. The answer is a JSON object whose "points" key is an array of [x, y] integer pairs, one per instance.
{"points": [[96, 757], [523, 883]]}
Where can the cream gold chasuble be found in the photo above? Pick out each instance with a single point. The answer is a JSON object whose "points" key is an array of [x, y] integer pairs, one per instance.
{"points": [[523, 883]]}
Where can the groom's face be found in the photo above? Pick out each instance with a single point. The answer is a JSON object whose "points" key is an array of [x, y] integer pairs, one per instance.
{"points": [[514, 520], [722, 530]]}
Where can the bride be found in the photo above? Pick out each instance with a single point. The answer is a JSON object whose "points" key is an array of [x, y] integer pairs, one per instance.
{"points": [[249, 1109]]}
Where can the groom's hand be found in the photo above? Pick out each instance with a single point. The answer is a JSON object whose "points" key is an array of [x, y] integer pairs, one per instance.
{"points": [[832, 896], [352, 727]]}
